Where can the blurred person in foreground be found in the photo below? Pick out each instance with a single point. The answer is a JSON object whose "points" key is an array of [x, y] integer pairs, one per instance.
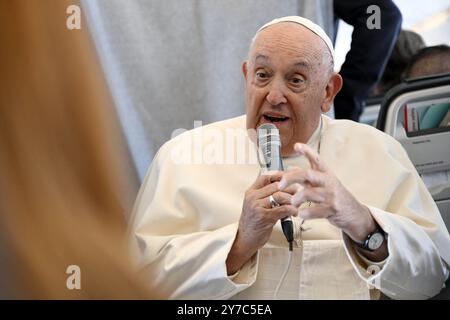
{"points": [[64, 181]]}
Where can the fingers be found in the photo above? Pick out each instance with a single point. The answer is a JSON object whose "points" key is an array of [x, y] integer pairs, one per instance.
{"points": [[266, 191], [317, 195], [267, 178], [280, 197], [293, 188], [282, 212], [308, 178], [316, 212], [315, 161], [271, 187]]}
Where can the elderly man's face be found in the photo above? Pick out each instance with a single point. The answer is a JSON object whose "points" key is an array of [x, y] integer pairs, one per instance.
{"points": [[287, 79]]}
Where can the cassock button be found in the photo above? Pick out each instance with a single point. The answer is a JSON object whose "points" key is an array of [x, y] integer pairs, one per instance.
{"points": [[373, 269]]}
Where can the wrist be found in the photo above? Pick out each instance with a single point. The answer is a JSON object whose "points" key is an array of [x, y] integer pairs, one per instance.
{"points": [[238, 255], [359, 232]]}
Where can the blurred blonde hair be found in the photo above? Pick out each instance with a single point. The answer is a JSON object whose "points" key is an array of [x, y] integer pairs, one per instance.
{"points": [[64, 180]]}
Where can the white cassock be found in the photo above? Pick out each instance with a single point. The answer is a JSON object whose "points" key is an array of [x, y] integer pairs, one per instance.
{"points": [[187, 212]]}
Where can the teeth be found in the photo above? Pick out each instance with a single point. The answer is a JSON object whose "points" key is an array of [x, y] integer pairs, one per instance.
{"points": [[275, 118]]}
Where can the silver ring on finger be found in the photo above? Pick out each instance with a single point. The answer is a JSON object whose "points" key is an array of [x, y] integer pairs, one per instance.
{"points": [[273, 202]]}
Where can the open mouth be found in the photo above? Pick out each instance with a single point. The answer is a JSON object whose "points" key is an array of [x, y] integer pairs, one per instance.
{"points": [[272, 118]]}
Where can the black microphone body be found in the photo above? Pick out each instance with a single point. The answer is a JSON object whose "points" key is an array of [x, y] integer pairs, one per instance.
{"points": [[269, 144]]}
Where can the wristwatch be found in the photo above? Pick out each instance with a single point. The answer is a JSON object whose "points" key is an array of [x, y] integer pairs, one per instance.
{"points": [[374, 240]]}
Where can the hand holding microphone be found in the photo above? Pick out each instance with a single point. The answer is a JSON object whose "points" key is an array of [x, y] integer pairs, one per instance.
{"points": [[270, 160], [258, 213]]}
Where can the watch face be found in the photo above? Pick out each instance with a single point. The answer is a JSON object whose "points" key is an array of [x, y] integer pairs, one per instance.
{"points": [[375, 241]]}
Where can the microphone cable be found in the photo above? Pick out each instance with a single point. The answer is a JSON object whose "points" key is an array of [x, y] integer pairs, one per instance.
{"points": [[288, 230], [286, 270]]}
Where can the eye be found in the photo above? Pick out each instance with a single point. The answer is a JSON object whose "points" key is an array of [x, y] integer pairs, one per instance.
{"points": [[297, 80], [261, 75]]}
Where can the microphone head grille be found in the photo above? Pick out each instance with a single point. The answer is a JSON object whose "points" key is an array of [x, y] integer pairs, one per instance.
{"points": [[268, 133]]}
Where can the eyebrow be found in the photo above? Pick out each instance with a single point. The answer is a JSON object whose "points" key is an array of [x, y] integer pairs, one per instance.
{"points": [[301, 63], [261, 57]]}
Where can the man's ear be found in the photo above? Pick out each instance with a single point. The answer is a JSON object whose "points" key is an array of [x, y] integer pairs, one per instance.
{"points": [[244, 69], [334, 85]]}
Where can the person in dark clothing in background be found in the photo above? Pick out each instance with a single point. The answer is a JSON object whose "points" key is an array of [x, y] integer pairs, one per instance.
{"points": [[369, 52]]}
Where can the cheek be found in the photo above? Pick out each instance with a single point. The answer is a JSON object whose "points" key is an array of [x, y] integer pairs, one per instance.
{"points": [[255, 100], [305, 109], [300, 104], [307, 103], [256, 95], [252, 107]]}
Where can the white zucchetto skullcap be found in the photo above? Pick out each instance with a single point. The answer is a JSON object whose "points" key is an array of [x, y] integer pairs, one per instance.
{"points": [[307, 24]]}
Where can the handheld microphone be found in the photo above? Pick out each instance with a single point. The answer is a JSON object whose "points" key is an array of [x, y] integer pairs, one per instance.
{"points": [[269, 157]]}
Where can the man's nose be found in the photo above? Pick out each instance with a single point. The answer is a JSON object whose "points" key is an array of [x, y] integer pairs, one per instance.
{"points": [[276, 93]]}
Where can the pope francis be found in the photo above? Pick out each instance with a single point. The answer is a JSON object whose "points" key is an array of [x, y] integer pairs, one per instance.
{"points": [[204, 222]]}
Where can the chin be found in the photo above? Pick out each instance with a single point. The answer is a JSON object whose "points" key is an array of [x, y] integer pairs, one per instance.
{"points": [[287, 151], [287, 148]]}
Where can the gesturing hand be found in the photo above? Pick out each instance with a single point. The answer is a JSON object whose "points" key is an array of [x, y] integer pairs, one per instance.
{"points": [[333, 201]]}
